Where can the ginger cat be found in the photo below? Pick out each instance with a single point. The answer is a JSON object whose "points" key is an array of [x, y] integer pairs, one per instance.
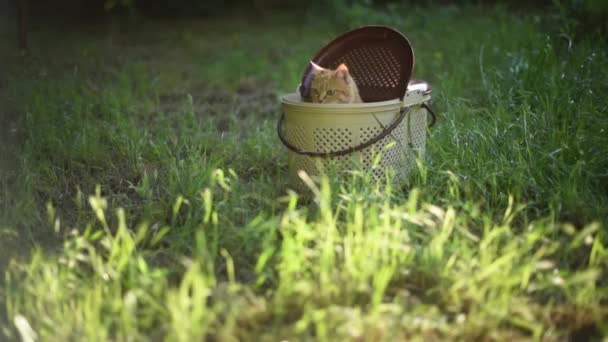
{"points": [[333, 86]]}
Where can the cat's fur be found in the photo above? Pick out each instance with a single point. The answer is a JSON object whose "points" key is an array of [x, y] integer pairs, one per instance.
{"points": [[331, 86]]}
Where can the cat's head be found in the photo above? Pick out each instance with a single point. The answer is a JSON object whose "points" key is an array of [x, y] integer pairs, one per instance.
{"points": [[329, 86]]}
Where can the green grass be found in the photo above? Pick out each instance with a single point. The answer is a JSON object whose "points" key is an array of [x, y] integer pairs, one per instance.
{"points": [[144, 192]]}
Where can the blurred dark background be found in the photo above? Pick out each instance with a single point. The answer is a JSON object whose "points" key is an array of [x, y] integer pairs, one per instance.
{"points": [[209, 7], [583, 17]]}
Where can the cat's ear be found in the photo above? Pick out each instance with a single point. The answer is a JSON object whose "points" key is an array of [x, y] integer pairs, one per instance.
{"points": [[315, 68], [342, 72]]}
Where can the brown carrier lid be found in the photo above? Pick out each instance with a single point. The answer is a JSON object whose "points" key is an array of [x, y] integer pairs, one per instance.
{"points": [[379, 58]]}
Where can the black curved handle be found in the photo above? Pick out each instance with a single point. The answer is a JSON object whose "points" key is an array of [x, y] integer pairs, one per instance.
{"points": [[359, 147], [349, 150], [430, 110]]}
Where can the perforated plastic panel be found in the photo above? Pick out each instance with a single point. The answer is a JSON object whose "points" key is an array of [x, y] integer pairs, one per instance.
{"points": [[332, 139], [397, 152], [375, 70]]}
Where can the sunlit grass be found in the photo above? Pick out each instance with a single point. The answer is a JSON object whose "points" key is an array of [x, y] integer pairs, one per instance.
{"points": [[151, 179]]}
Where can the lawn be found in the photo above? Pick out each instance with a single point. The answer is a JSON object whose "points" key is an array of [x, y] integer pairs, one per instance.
{"points": [[144, 194]]}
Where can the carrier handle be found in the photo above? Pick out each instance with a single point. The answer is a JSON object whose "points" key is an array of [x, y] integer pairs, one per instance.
{"points": [[430, 110], [349, 150]]}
